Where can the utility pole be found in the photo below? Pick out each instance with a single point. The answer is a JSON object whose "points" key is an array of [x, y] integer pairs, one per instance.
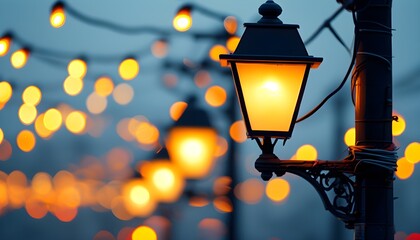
{"points": [[373, 110]]}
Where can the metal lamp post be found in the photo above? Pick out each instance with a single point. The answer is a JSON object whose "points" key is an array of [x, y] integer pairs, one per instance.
{"points": [[270, 67]]}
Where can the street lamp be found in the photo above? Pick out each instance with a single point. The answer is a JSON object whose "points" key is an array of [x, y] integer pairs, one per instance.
{"points": [[191, 143], [270, 67]]}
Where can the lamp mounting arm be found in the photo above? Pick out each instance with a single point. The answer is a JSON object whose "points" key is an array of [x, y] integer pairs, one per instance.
{"points": [[333, 180]]}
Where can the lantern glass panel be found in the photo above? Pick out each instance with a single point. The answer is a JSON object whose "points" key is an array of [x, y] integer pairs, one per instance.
{"points": [[270, 92]]}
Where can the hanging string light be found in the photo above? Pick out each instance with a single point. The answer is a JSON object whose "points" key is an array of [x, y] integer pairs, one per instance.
{"points": [[183, 21], [57, 16], [5, 43], [19, 58]]}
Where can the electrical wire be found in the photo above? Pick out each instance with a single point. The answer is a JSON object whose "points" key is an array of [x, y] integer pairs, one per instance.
{"points": [[383, 158]]}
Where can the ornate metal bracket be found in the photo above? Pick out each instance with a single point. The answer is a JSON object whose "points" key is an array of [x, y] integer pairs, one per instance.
{"points": [[333, 180]]}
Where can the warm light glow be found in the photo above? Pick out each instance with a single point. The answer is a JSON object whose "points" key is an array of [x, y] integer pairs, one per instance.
{"points": [[398, 127], [123, 94], [77, 68], [73, 85], [404, 169], [1, 135], [36, 208], [31, 95], [277, 189], [412, 152], [96, 104], [42, 184], [138, 199], [76, 122], [57, 16], [251, 191], [350, 137], [237, 131], [104, 86], [160, 48], [52, 119], [307, 152], [122, 130], [222, 147], [182, 21], [231, 24], [19, 58], [232, 43], [4, 45], [192, 150], [6, 92], [40, 128], [129, 69], [17, 183], [165, 178], [26, 140], [146, 133], [177, 109], [221, 185], [5, 150], [202, 78], [27, 114], [216, 96], [212, 228], [216, 50], [144, 233], [271, 93], [223, 204]]}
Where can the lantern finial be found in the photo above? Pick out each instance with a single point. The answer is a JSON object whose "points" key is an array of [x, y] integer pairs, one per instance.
{"points": [[270, 12]]}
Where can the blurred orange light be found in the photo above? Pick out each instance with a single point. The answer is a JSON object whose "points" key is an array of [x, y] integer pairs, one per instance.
{"points": [[231, 24], [211, 228], [40, 128], [277, 189], [5, 150], [404, 169], [57, 16], [350, 137], [65, 214], [138, 199], [398, 127], [96, 104], [202, 78], [6, 92], [177, 109], [232, 43], [76, 122], [307, 152], [26, 140], [182, 21], [77, 68], [36, 208], [237, 131], [104, 86], [19, 58], [52, 119], [160, 48], [27, 114], [221, 185], [198, 201], [73, 85], [129, 69], [412, 152], [216, 96], [42, 184], [4, 45], [216, 50], [122, 130], [251, 191], [1, 135], [144, 233], [123, 94], [222, 147], [223, 204], [103, 235], [147, 133], [32, 95]]}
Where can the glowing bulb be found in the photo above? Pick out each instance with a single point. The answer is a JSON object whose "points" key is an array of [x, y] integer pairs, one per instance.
{"points": [[76, 122], [307, 152], [215, 96], [6, 92], [144, 233], [26, 140], [77, 68], [5, 45], [350, 137], [27, 114], [277, 189], [53, 119], [73, 85], [183, 21], [19, 58], [129, 69], [104, 86], [31, 95], [57, 16]]}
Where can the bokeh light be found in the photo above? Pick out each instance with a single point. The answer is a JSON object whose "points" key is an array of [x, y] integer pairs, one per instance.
{"points": [[1, 135], [215, 96], [40, 128], [52, 119], [350, 137], [26, 140], [307, 152], [177, 109], [144, 233], [76, 122], [221, 147], [223, 204], [104, 86], [251, 191], [412, 152], [277, 189], [5, 150], [211, 228], [138, 199], [237, 131], [182, 21], [32, 95], [57, 16], [129, 69], [398, 127], [27, 114], [231, 24], [160, 48], [123, 94], [202, 78], [216, 50], [404, 169], [146, 133], [232, 43], [73, 85], [77, 68], [96, 104], [6, 92], [19, 58], [5, 42]]}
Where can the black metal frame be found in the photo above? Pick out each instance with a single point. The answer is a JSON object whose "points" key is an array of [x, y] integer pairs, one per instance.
{"points": [[333, 180]]}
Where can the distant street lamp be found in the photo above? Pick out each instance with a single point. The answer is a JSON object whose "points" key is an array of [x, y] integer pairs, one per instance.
{"points": [[270, 67]]}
